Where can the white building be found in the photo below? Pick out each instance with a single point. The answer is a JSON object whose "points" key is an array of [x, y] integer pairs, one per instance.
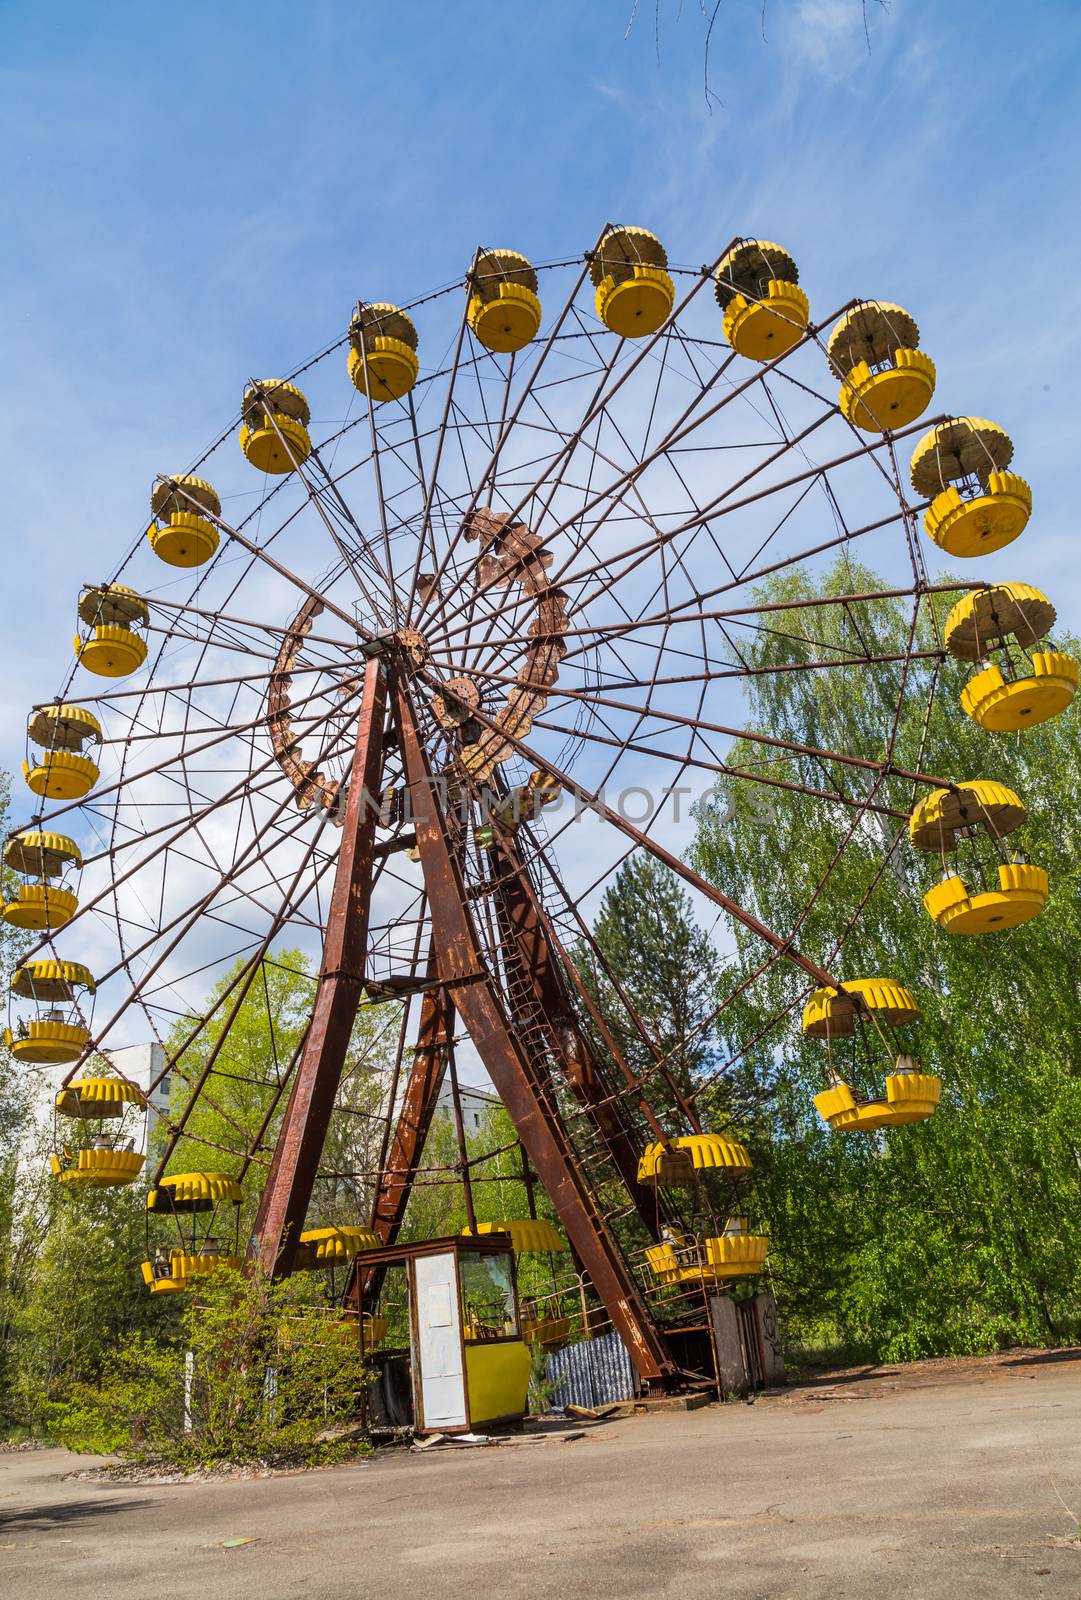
{"points": [[476, 1103]]}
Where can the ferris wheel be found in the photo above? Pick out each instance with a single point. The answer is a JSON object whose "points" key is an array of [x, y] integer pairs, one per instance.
{"points": [[414, 658]]}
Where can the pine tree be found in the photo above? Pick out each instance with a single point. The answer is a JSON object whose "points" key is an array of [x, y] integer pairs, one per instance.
{"points": [[664, 964]]}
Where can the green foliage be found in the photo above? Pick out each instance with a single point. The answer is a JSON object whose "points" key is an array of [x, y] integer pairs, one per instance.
{"points": [[71, 1294], [134, 1409], [17, 1092], [269, 1378], [248, 1054], [956, 1235], [662, 963], [247, 1045], [79, 1293]]}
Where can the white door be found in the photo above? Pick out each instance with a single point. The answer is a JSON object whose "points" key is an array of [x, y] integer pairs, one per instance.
{"points": [[439, 1331]]}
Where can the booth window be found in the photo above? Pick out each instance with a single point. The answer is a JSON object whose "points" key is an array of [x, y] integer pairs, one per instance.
{"points": [[488, 1308]]}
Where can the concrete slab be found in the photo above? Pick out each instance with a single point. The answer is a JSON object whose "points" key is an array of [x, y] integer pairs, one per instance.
{"points": [[931, 1482]]}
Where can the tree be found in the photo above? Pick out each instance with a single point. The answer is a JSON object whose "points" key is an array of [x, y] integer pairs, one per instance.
{"points": [[958, 1234], [18, 1244], [253, 1373], [78, 1296], [664, 964], [71, 1290], [241, 1100]]}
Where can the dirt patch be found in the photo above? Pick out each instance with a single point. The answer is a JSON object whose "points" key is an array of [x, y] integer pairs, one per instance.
{"points": [[891, 1376], [157, 1472]]}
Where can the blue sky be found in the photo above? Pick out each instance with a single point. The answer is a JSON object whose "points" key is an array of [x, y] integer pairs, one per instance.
{"points": [[196, 192]]}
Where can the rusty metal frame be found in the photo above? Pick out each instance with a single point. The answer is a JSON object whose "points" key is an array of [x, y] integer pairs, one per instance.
{"points": [[341, 981], [468, 963], [478, 1002], [523, 926], [415, 1117]]}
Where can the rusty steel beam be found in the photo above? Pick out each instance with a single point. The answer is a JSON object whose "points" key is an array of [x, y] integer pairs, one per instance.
{"points": [[341, 981], [415, 1118], [522, 926], [479, 1004]]}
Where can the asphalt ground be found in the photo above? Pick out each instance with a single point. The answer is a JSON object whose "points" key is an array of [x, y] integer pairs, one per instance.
{"points": [[938, 1479]]}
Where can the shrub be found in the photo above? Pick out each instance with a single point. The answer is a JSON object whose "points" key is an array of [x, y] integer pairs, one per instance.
{"points": [[255, 1375]]}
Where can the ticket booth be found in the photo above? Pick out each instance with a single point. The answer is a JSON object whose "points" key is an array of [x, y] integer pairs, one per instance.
{"points": [[451, 1311]]}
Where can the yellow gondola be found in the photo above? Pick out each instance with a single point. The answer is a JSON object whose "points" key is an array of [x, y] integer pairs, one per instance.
{"points": [[986, 620], [182, 533], [868, 1011], [193, 1192], [182, 1269], [274, 434], [98, 1099], [110, 1160], [504, 311], [948, 819], [832, 1013], [886, 381], [56, 1034], [765, 310], [113, 613], [529, 1235], [49, 1040], [635, 293], [735, 1253], [38, 858], [187, 1196], [328, 1248], [976, 505], [325, 1247], [680, 1161], [383, 352], [62, 772], [911, 1096], [50, 980], [159, 1277]]}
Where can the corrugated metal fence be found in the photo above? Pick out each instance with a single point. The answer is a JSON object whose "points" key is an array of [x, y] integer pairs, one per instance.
{"points": [[593, 1373]]}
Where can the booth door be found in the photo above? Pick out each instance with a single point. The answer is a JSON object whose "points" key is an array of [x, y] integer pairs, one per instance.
{"points": [[438, 1375]]}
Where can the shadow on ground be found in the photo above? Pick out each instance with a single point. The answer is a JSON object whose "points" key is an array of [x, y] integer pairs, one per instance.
{"points": [[835, 1380], [1042, 1358], [65, 1513]]}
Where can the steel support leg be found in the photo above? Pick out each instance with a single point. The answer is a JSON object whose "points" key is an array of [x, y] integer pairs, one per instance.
{"points": [[480, 1006], [521, 922], [341, 982]]}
